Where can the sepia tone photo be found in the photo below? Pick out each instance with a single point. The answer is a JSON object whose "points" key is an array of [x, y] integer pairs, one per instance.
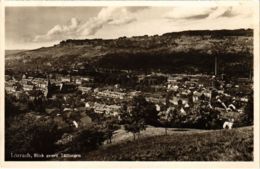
{"points": [[129, 83]]}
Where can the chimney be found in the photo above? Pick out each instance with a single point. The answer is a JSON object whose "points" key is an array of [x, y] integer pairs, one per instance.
{"points": [[216, 65]]}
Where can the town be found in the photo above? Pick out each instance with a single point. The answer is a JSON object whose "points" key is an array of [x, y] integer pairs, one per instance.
{"points": [[75, 101], [190, 89]]}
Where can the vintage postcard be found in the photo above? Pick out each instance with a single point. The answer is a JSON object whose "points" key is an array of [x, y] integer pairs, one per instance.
{"points": [[130, 84]]}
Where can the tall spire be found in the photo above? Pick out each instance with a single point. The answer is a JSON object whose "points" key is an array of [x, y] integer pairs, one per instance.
{"points": [[48, 87]]}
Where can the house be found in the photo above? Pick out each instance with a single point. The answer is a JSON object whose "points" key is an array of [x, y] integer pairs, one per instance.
{"points": [[10, 89], [86, 79], [140, 78], [172, 79], [195, 96], [7, 77], [111, 94], [24, 81], [158, 100], [75, 124], [52, 111], [78, 81], [173, 87], [108, 109], [28, 87], [87, 105], [80, 109], [133, 94], [34, 94], [65, 139], [186, 105], [84, 89], [86, 121], [65, 79], [158, 108], [228, 124], [24, 76], [60, 122], [67, 87], [174, 100], [169, 110], [244, 99], [67, 109], [183, 112]]}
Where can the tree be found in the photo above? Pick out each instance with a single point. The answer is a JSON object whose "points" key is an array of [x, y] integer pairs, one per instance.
{"points": [[167, 118], [87, 140], [135, 126], [248, 116], [147, 110], [59, 101], [111, 124], [11, 109], [208, 119], [44, 136], [136, 115], [25, 134]]}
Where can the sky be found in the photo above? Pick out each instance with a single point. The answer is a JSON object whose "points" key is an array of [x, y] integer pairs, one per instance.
{"points": [[34, 27]]}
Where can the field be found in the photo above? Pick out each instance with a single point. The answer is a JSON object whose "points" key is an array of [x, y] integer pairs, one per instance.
{"points": [[195, 145]]}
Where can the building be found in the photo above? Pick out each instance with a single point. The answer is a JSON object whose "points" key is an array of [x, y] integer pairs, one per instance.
{"points": [[28, 87], [84, 89], [111, 94], [107, 109]]}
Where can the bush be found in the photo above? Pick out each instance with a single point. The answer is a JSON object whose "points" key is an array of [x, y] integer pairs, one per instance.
{"points": [[25, 134], [87, 140], [248, 118]]}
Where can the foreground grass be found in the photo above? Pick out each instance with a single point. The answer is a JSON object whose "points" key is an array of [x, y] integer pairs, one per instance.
{"points": [[218, 145]]}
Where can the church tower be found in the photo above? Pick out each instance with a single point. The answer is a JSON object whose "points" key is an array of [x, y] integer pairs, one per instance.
{"points": [[48, 92]]}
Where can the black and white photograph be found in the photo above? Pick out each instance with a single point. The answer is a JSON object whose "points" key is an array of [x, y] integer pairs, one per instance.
{"points": [[131, 83]]}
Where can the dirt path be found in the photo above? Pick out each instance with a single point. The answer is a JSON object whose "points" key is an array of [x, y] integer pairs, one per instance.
{"points": [[121, 135]]}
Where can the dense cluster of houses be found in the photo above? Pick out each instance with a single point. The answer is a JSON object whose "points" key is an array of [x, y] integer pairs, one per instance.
{"points": [[180, 92], [214, 93], [103, 100]]}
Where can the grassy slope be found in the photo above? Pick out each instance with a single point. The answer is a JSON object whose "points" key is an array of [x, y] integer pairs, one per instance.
{"points": [[12, 52], [218, 145]]}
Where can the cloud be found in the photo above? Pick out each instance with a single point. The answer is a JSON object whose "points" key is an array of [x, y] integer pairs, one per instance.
{"points": [[235, 11], [190, 13], [107, 16], [228, 13], [59, 31], [197, 13], [138, 8], [74, 29]]}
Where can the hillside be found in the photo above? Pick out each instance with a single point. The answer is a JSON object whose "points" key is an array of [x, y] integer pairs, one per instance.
{"points": [[188, 51], [216, 145], [12, 52]]}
